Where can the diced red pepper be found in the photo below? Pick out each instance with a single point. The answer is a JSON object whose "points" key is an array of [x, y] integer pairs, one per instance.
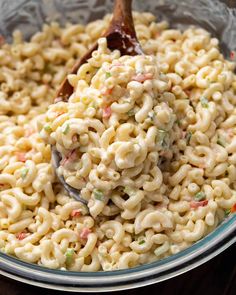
{"points": [[21, 236], [75, 213], [232, 55], [70, 157], [142, 77], [20, 156], [107, 91], [106, 112], [196, 204], [2, 40], [233, 209], [85, 232]]}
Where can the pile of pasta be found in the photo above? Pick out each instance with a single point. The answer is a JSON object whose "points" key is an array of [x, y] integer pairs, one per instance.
{"points": [[149, 140]]}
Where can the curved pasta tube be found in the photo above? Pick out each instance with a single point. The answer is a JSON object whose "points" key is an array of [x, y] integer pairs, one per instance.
{"points": [[156, 182], [51, 255], [89, 246], [94, 264], [9, 179], [28, 252], [147, 106], [134, 199], [155, 219], [13, 206], [128, 260], [113, 230], [64, 233], [46, 223], [146, 244], [196, 234], [27, 175], [25, 199]]}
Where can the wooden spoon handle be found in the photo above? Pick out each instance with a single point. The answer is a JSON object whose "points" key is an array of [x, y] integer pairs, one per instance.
{"points": [[121, 32], [122, 18]]}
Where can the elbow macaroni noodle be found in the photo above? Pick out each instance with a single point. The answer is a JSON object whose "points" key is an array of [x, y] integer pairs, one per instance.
{"points": [[149, 140]]}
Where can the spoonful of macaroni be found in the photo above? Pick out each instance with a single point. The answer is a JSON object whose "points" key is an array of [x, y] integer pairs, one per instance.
{"points": [[121, 36], [111, 125]]}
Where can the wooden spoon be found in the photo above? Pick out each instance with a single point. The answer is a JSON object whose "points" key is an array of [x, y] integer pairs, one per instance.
{"points": [[120, 35]]}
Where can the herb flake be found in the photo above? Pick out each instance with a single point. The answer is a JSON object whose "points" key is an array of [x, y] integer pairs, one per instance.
{"points": [[200, 196], [69, 255], [188, 136], [24, 172], [47, 128], [204, 102], [130, 113], [141, 242], [66, 129], [220, 142], [98, 195], [162, 138], [108, 75]]}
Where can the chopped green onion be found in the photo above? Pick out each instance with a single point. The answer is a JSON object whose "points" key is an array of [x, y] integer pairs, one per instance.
{"points": [[204, 102], [178, 122], [24, 172], [227, 212], [220, 142], [94, 105], [200, 196], [131, 113], [69, 255], [47, 128], [66, 129], [98, 194], [108, 75], [141, 242], [162, 137], [188, 137], [129, 191]]}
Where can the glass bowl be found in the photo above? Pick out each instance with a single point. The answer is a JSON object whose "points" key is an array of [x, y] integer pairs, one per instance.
{"points": [[218, 17]]}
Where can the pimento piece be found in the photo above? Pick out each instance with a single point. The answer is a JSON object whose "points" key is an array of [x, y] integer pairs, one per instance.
{"points": [[75, 213], [196, 204], [2, 40], [106, 112], [232, 55], [106, 91], [21, 236], [142, 77], [233, 209], [70, 157], [20, 156], [84, 233]]}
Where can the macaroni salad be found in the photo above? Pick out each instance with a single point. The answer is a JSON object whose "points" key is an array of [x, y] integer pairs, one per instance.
{"points": [[149, 140]]}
